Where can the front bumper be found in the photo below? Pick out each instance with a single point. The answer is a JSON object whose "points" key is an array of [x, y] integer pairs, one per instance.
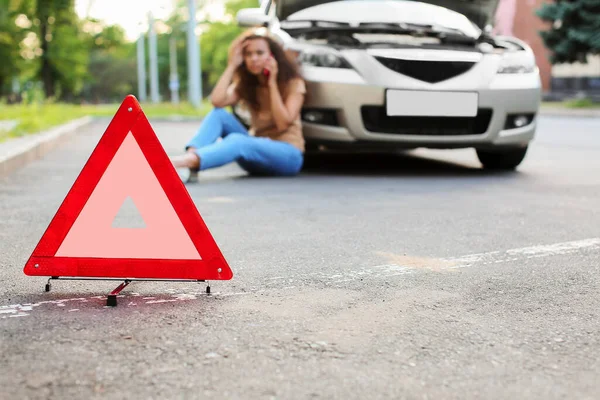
{"points": [[345, 92]]}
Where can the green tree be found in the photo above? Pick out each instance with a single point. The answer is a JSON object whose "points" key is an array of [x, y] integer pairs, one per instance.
{"points": [[575, 29], [217, 37], [112, 69], [14, 26], [64, 56], [214, 45]]}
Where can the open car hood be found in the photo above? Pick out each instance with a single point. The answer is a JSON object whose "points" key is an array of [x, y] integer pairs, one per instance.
{"points": [[481, 12]]}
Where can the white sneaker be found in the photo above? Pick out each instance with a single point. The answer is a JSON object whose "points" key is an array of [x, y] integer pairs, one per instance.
{"points": [[187, 176]]}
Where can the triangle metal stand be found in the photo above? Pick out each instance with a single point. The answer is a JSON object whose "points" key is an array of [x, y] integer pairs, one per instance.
{"points": [[111, 300]]}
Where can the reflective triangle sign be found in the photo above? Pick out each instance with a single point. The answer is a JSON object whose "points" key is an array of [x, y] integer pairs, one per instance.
{"points": [[128, 172]]}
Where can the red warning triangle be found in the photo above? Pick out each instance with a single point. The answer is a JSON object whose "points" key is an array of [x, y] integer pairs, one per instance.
{"points": [[129, 163]]}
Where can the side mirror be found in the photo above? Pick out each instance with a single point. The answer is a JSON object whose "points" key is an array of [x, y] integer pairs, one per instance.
{"points": [[252, 17]]}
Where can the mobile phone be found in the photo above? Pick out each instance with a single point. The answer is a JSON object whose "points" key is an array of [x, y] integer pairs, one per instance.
{"points": [[266, 72]]}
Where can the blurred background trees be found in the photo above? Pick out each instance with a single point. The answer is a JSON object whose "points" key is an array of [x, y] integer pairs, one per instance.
{"points": [[49, 52], [575, 29]]}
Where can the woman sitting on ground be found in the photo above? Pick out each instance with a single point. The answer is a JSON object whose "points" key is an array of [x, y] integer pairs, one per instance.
{"points": [[260, 75]]}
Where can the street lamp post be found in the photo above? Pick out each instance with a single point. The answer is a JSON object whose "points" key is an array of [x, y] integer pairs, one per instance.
{"points": [[174, 76], [141, 68], [153, 60], [194, 67]]}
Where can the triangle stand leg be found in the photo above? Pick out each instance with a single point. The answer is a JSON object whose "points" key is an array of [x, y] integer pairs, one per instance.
{"points": [[48, 284], [111, 300]]}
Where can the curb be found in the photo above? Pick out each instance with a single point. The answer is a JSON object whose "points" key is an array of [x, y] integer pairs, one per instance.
{"points": [[570, 112], [18, 152]]}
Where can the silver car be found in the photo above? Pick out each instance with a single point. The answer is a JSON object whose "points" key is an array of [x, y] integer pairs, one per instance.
{"points": [[405, 74]]}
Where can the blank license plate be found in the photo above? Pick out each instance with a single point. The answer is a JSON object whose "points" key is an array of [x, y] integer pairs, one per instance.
{"points": [[434, 104]]}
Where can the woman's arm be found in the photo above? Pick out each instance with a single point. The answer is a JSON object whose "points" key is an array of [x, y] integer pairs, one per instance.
{"points": [[221, 96], [284, 113]]}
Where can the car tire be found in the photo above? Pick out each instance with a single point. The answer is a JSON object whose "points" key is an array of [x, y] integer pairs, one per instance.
{"points": [[507, 159]]}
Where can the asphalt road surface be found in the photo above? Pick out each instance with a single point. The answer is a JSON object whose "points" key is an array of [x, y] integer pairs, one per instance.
{"points": [[416, 276]]}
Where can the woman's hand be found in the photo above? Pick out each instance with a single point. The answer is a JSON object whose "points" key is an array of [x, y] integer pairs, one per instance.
{"points": [[236, 52], [271, 65]]}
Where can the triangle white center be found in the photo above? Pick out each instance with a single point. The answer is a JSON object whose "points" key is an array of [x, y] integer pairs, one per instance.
{"points": [[128, 175]]}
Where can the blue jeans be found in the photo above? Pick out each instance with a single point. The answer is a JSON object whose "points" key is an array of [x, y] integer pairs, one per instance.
{"points": [[256, 155]]}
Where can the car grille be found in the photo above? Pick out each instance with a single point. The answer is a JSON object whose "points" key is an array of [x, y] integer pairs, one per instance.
{"points": [[427, 71], [375, 119]]}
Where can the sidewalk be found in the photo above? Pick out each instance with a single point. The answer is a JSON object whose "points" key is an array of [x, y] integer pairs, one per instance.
{"points": [[558, 111], [16, 153]]}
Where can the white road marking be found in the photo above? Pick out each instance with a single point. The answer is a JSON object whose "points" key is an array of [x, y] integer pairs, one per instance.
{"points": [[22, 310], [161, 301], [409, 265], [496, 257], [385, 271]]}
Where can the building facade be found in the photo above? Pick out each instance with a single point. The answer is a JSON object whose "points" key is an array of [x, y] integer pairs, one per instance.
{"points": [[517, 18]]}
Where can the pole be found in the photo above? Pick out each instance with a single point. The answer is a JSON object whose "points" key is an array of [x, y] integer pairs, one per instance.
{"points": [[153, 61], [141, 68], [174, 78], [194, 72], [199, 62]]}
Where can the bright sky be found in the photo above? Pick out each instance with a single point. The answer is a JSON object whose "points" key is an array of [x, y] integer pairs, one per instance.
{"points": [[132, 15]]}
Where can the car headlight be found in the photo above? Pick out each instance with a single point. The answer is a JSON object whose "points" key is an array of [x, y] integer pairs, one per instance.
{"points": [[517, 63], [322, 58]]}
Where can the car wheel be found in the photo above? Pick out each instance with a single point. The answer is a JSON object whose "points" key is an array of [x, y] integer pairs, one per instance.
{"points": [[502, 159]]}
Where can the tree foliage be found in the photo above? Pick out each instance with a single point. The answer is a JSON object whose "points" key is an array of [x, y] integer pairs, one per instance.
{"points": [[575, 29], [14, 27], [112, 64], [216, 39], [64, 56], [45, 44]]}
